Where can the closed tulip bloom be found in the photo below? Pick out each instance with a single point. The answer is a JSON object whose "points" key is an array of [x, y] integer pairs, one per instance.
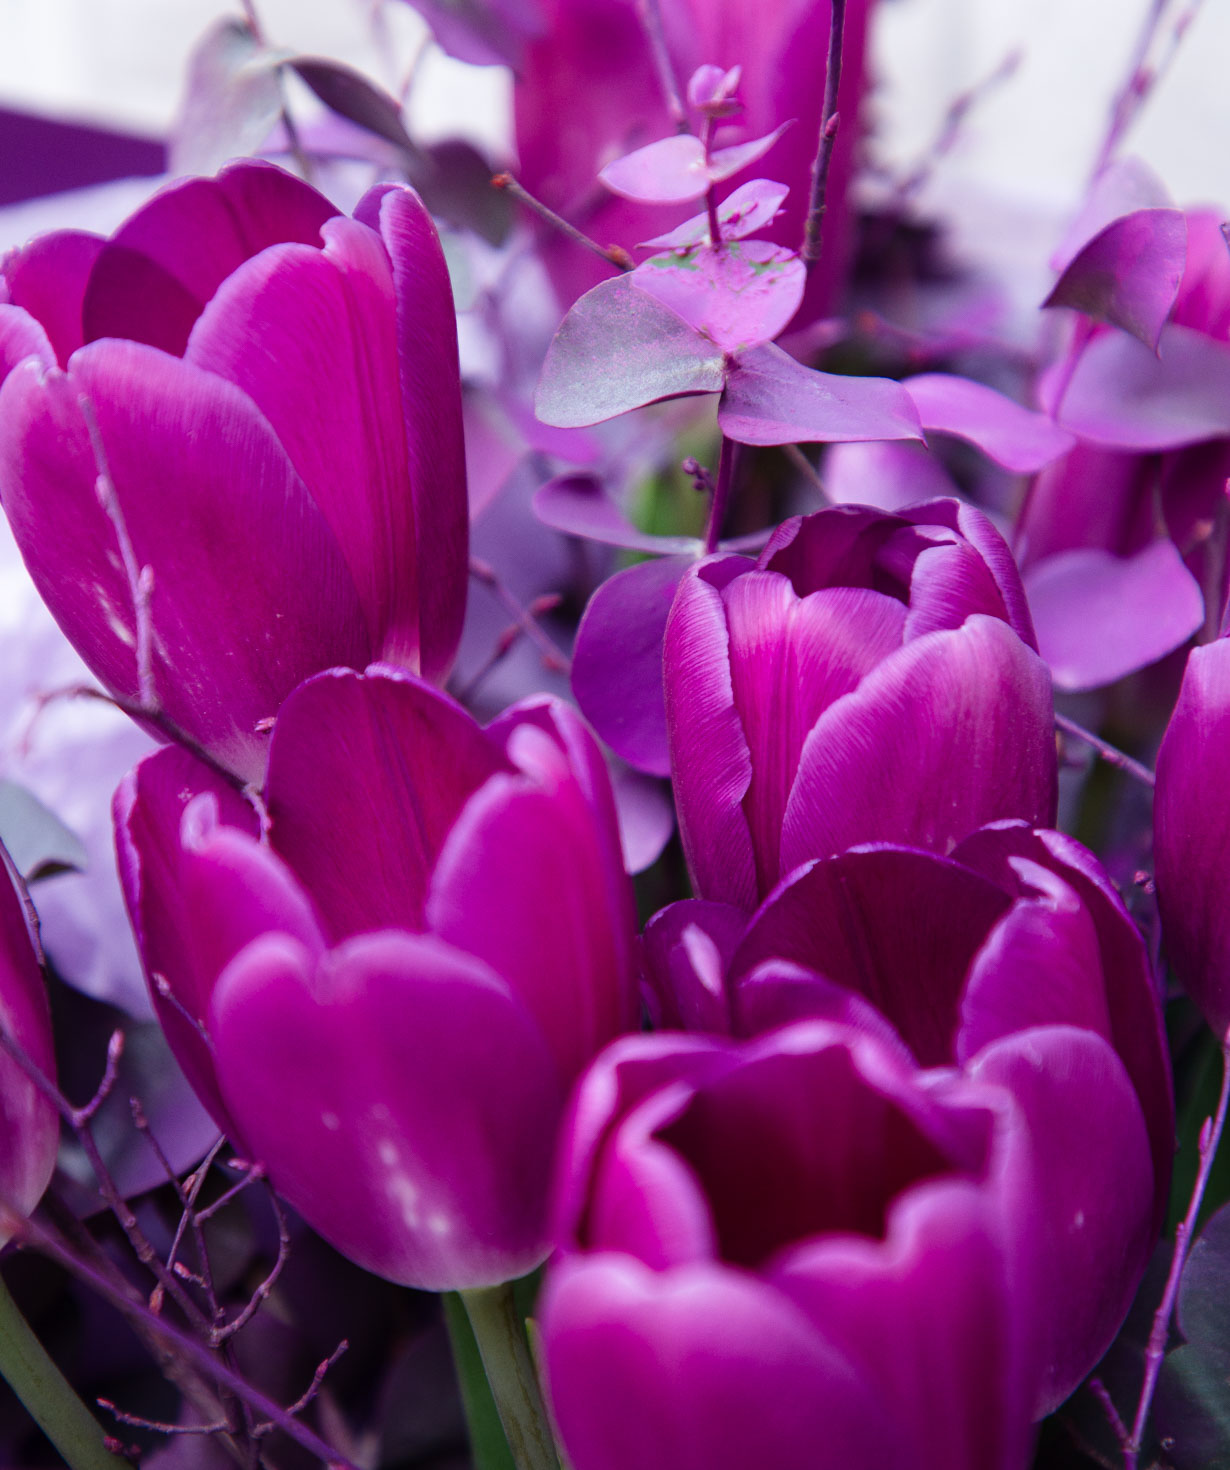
{"points": [[1013, 960], [786, 1252], [29, 1124], [1191, 841], [230, 439], [871, 677], [387, 1002]]}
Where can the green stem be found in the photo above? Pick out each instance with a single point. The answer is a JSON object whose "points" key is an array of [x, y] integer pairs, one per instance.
{"points": [[48, 1395], [488, 1447], [505, 1350]]}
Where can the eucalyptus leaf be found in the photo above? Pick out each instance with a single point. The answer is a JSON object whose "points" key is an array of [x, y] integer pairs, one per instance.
{"points": [[232, 99], [38, 841]]}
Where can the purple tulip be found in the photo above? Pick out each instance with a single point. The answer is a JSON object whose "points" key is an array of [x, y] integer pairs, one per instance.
{"points": [[387, 1001], [870, 678], [587, 92], [29, 1124], [272, 390], [787, 1252], [1191, 842], [1013, 960]]}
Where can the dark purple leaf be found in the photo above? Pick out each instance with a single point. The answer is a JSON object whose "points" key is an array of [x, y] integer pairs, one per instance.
{"points": [[772, 399], [482, 32], [454, 181], [1128, 275], [737, 295], [1124, 397], [751, 207], [617, 661], [1013, 436], [1100, 616], [352, 96], [646, 817], [579, 506], [231, 100], [618, 349]]}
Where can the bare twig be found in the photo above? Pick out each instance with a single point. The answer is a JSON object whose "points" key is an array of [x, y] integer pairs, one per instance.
{"points": [[613, 255], [313, 1388], [1111, 754], [553, 657], [1210, 1136], [828, 136], [650, 12]]}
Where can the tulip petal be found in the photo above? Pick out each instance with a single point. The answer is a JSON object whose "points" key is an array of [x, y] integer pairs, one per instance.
{"points": [[926, 1315], [1192, 822], [953, 730], [230, 640], [431, 408], [48, 278], [367, 774], [790, 658], [699, 1368], [686, 949], [894, 925], [524, 882], [1078, 1201], [29, 1124], [21, 337], [153, 278], [148, 809], [309, 336], [709, 755], [402, 1101]]}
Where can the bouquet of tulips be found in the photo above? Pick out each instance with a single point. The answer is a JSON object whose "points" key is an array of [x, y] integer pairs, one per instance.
{"points": [[668, 792]]}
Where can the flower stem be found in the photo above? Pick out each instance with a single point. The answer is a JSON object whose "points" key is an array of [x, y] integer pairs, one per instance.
{"points": [[47, 1395], [510, 1371], [721, 494], [1210, 1136]]}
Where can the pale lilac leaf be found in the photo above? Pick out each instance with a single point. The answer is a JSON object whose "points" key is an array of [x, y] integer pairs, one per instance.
{"points": [[670, 171], [887, 474], [1129, 274], [738, 295], [728, 161], [1014, 437], [618, 349], [1124, 397], [577, 505], [1120, 189], [772, 399], [37, 840], [231, 101], [753, 206], [1100, 616]]}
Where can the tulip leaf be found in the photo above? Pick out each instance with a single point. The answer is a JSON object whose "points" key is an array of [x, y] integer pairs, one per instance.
{"points": [[1192, 1413], [38, 841], [488, 1445]]}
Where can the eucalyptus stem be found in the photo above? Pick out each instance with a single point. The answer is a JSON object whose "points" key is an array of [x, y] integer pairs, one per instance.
{"points": [[505, 1352], [47, 1395], [828, 136], [721, 494]]}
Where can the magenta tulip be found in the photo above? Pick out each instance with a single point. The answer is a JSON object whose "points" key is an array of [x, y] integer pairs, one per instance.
{"points": [[870, 678], [387, 1002], [29, 1124], [787, 1252], [271, 391], [1015, 960]]}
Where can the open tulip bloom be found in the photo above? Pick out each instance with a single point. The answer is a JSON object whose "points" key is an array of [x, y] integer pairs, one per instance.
{"points": [[864, 1153]]}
